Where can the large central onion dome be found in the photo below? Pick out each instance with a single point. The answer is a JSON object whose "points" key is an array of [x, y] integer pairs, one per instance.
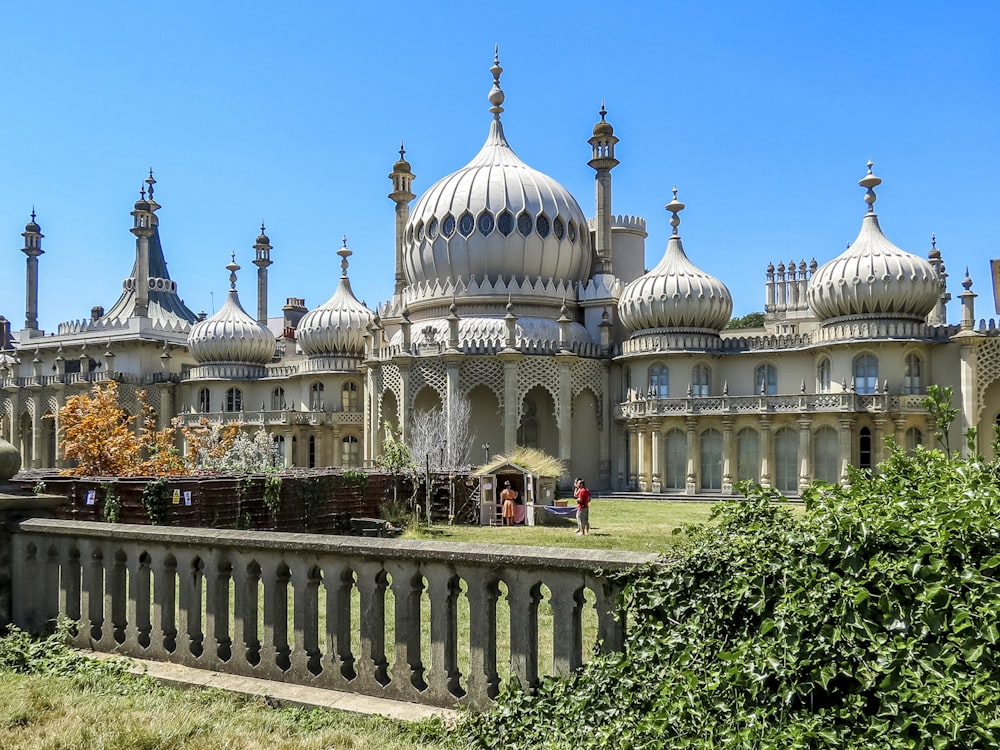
{"points": [[496, 218], [338, 326], [676, 295], [231, 336], [873, 277]]}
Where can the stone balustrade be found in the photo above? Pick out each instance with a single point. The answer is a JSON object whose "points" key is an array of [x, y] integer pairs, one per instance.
{"points": [[382, 617]]}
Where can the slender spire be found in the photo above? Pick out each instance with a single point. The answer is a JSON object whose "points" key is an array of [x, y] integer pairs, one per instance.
{"points": [[232, 267], [870, 182], [496, 93], [675, 207]]}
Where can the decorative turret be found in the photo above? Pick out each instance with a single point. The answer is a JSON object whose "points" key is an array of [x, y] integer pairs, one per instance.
{"points": [[143, 225], [939, 315], [401, 195], [676, 296], [603, 161], [338, 326], [873, 278], [231, 343], [262, 259], [32, 248]]}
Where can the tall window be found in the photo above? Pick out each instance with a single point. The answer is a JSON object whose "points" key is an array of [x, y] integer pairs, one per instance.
{"points": [[278, 399], [659, 381], [747, 455], [911, 375], [279, 444], [312, 451], [350, 452], [701, 381], [865, 374], [766, 378], [786, 460], [675, 476], [349, 397], [865, 448], [826, 458], [316, 397], [234, 399], [527, 432], [711, 460], [204, 401], [823, 376], [914, 437]]}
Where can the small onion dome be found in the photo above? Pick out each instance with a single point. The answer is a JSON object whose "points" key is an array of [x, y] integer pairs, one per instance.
{"points": [[338, 326], [603, 127], [32, 226], [231, 336], [262, 238], [402, 165], [676, 294], [873, 276]]}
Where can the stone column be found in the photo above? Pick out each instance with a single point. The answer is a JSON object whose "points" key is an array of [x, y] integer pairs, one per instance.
{"points": [[690, 483], [643, 462], [565, 406], [404, 362], [656, 454], [727, 455], [765, 451], [805, 454], [451, 399], [846, 425], [877, 439]]}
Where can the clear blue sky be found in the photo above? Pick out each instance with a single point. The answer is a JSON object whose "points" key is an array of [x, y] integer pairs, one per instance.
{"points": [[763, 114]]}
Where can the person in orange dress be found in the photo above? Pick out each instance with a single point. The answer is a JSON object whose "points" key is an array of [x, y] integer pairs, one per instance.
{"points": [[508, 496]]}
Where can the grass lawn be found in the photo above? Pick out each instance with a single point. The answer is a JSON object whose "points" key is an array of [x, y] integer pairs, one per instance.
{"points": [[634, 525]]}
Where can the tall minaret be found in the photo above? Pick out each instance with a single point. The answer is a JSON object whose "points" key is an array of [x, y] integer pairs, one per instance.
{"points": [[32, 248], [402, 182], [143, 227], [939, 315], [262, 248], [603, 143]]}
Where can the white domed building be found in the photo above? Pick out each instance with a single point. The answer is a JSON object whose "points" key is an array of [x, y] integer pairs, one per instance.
{"points": [[527, 321]]}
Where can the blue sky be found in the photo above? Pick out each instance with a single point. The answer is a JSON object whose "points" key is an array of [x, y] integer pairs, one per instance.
{"points": [[763, 114]]}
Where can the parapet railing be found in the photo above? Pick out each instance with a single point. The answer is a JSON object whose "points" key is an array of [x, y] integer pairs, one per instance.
{"points": [[420, 621]]}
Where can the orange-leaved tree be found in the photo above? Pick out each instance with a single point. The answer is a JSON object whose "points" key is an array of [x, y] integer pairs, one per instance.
{"points": [[99, 435]]}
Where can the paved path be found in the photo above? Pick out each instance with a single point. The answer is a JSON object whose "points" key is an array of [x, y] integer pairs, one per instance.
{"points": [[282, 693]]}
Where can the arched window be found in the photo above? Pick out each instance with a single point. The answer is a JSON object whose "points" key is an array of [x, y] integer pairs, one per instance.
{"points": [[711, 460], [312, 451], [914, 437], [675, 476], [350, 452], [701, 381], [278, 399], [234, 399], [659, 381], [786, 460], [279, 445], [865, 448], [912, 383], [349, 397], [747, 455], [766, 379], [865, 374], [826, 455], [823, 376], [527, 432], [204, 401], [316, 397]]}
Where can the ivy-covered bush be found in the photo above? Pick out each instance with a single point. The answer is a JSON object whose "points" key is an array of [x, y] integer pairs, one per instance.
{"points": [[868, 621]]}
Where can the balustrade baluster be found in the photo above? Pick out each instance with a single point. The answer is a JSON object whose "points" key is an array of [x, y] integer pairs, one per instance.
{"points": [[483, 681], [305, 659], [190, 638], [523, 595], [274, 650], [116, 594], [69, 579], [567, 623], [137, 625], [443, 588], [339, 667], [372, 666], [217, 573], [610, 616], [91, 599], [407, 666], [164, 634], [246, 583]]}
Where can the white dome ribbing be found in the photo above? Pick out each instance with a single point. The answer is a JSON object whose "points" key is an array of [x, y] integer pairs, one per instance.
{"points": [[873, 276], [496, 218], [338, 326], [231, 336], [676, 294]]}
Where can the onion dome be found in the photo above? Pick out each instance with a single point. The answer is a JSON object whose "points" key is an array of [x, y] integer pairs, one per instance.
{"points": [[603, 127], [262, 238], [32, 226], [873, 277], [231, 336], [338, 326], [496, 218], [402, 165], [676, 294]]}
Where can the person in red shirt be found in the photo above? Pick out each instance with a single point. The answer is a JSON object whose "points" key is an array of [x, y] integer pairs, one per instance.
{"points": [[582, 495]]}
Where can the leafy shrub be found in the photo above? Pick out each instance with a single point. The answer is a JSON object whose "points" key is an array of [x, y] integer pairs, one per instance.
{"points": [[155, 501], [869, 621], [112, 509]]}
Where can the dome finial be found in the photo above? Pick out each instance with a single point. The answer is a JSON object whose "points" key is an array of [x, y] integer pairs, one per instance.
{"points": [[232, 267], [603, 111], [870, 182], [344, 253], [675, 207], [496, 93], [150, 181], [967, 281]]}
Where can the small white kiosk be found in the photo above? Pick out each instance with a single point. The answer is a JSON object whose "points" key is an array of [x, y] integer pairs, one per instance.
{"points": [[531, 487]]}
